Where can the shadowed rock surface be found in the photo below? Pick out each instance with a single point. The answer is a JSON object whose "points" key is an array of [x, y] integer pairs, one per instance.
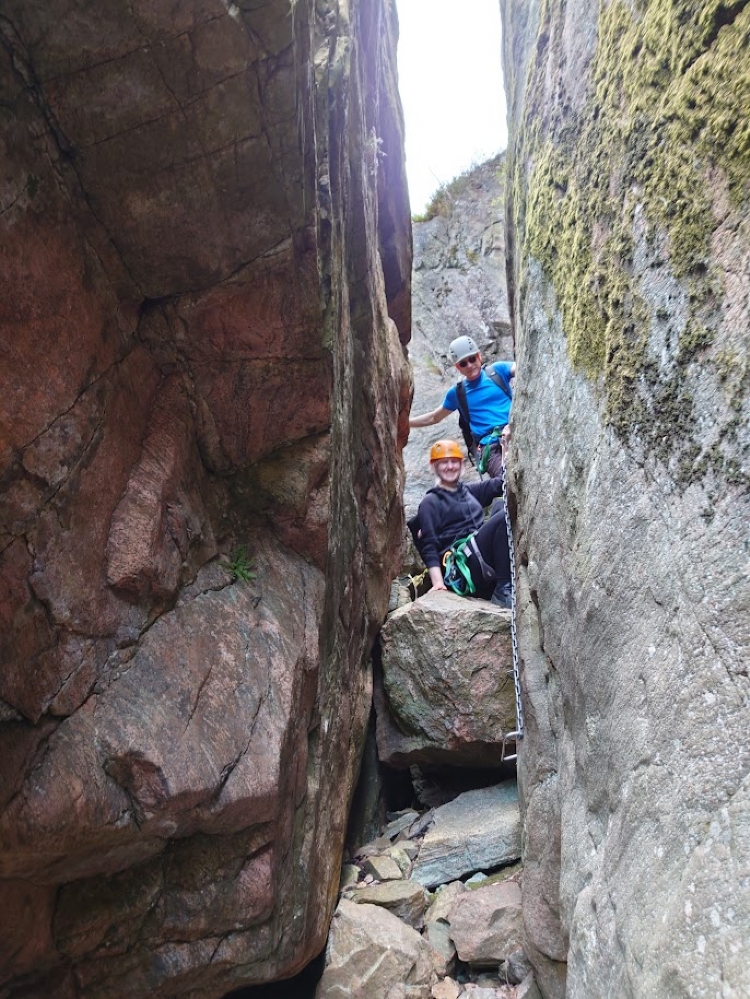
{"points": [[629, 216], [205, 259]]}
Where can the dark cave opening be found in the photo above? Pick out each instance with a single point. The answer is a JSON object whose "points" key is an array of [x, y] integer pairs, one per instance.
{"points": [[301, 986]]}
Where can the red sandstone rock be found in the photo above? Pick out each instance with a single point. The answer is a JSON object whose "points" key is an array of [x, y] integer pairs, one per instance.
{"points": [[198, 351]]}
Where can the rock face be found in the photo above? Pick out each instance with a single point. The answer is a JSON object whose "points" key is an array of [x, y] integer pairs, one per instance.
{"points": [[205, 260], [629, 218], [459, 288]]}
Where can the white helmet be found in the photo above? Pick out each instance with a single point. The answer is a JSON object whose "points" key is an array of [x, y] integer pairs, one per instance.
{"points": [[460, 348]]}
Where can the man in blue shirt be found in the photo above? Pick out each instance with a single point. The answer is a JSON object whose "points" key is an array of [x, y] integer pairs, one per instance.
{"points": [[487, 401]]}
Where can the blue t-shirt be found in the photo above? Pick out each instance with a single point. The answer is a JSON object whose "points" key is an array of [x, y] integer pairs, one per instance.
{"points": [[489, 406]]}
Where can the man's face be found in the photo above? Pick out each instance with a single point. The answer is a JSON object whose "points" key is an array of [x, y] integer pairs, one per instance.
{"points": [[470, 367]]}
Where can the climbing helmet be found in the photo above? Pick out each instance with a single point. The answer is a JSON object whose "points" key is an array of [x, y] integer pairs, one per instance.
{"points": [[445, 449], [461, 347]]}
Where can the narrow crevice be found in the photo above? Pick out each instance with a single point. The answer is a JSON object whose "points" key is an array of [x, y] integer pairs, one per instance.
{"points": [[301, 986]]}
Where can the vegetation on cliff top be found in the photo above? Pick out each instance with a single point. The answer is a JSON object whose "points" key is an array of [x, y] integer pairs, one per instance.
{"points": [[442, 201]]}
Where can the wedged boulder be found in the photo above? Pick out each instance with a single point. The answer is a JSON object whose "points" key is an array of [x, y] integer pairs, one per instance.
{"points": [[478, 830], [486, 923], [446, 693], [370, 951], [528, 989], [438, 935], [517, 966]]}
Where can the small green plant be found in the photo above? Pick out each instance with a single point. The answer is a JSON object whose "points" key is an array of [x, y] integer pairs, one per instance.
{"points": [[240, 565]]}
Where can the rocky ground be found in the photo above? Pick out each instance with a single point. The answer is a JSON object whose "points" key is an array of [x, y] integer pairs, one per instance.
{"points": [[431, 909]]}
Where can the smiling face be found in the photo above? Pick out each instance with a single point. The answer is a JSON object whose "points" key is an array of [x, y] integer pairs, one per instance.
{"points": [[470, 367], [448, 471]]}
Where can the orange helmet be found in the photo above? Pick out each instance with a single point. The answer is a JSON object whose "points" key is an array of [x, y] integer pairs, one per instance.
{"points": [[445, 449]]}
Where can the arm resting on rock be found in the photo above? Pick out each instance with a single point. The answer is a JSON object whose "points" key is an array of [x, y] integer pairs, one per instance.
{"points": [[429, 419], [487, 490]]}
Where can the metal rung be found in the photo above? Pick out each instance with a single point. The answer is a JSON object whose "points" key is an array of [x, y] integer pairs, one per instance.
{"points": [[515, 738]]}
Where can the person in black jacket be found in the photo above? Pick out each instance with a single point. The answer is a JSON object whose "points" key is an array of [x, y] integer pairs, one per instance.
{"points": [[453, 510]]}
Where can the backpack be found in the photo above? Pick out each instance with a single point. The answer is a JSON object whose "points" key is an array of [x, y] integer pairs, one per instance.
{"points": [[463, 406], [415, 530]]}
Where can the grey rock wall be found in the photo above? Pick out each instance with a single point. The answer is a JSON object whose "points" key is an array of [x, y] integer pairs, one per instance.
{"points": [[629, 243]]}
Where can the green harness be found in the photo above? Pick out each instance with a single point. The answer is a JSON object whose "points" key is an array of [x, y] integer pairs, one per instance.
{"points": [[456, 570], [487, 444]]}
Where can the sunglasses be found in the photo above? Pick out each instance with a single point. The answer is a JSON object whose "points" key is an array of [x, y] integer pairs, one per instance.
{"points": [[467, 360]]}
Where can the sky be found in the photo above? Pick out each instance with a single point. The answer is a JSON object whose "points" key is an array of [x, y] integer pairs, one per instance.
{"points": [[450, 78]]}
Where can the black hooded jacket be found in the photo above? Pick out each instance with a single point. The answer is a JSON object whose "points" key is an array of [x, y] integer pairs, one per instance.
{"points": [[445, 516]]}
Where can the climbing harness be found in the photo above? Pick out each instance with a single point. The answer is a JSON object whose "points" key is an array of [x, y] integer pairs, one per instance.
{"points": [[516, 736], [456, 570], [486, 446]]}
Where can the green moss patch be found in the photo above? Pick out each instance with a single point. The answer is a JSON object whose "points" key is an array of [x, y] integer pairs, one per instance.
{"points": [[669, 88]]}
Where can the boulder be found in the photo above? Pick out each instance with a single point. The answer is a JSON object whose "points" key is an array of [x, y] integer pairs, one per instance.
{"points": [[447, 989], [370, 951], [405, 899], [478, 829], [488, 992], [401, 991], [517, 966], [350, 875], [443, 901], [401, 823], [486, 924], [528, 989], [446, 694], [382, 868], [402, 858], [438, 934]]}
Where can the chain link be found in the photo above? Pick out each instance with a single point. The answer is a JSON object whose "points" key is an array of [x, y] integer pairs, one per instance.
{"points": [[518, 734]]}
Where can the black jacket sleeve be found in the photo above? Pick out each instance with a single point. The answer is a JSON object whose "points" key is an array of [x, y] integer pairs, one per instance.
{"points": [[429, 514], [488, 489]]}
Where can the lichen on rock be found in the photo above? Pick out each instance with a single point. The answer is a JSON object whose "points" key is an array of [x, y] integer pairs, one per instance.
{"points": [[659, 135]]}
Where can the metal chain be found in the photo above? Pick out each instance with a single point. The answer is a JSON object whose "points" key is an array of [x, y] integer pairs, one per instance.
{"points": [[516, 736]]}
